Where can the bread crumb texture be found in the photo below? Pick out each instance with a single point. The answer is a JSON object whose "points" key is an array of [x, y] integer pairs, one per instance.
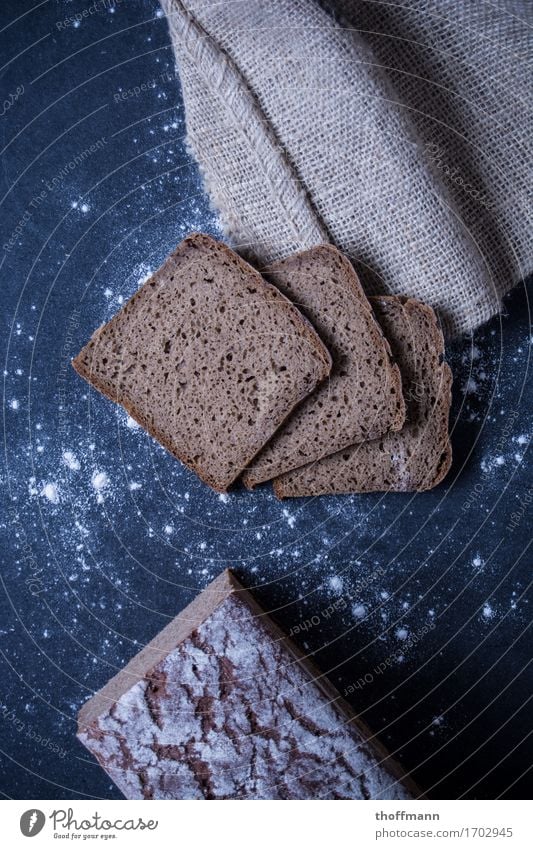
{"points": [[230, 714]]}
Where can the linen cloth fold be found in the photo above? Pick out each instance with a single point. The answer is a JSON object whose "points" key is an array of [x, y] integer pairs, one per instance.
{"points": [[399, 131]]}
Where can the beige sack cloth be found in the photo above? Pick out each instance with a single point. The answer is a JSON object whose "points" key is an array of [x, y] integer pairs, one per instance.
{"points": [[397, 130]]}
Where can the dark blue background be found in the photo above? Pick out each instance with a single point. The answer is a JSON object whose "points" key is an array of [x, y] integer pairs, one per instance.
{"points": [[434, 587]]}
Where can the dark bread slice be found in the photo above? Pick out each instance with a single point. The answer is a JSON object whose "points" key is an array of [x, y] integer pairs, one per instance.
{"points": [[208, 358], [363, 397], [419, 456]]}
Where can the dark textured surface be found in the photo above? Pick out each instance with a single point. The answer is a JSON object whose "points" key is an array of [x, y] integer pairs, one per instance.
{"points": [[419, 456], [416, 606], [208, 358]]}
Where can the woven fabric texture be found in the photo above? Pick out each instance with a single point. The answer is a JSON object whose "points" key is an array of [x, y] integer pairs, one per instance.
{"points": [[401, 132]]}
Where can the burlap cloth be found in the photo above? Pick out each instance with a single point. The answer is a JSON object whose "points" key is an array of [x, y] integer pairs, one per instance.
{"points": [[397, 130]]}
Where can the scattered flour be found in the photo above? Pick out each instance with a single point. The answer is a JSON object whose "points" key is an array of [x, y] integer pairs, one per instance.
{"points": [[359, 611], [51, 492], [99, 480], [470, 387], [71, 461]]}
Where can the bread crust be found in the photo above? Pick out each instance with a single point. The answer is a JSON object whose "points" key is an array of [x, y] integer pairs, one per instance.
{"points": [[86, 372]]}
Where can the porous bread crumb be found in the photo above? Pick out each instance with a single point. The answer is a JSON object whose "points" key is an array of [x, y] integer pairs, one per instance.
{"points": [[230, 714]]}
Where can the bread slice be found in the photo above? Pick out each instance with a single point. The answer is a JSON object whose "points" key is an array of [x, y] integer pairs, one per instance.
{"points": [[208, 358], [419, 456], [363, 397]]}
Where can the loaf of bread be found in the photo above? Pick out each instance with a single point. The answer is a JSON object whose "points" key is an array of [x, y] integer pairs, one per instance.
{"points": [[363, 397], [419, 456], [208, 358], [222, 705]]}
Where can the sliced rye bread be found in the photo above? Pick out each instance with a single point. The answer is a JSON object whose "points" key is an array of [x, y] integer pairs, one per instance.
{"points": [[419, 456], [363, 397], [208, 358]]}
